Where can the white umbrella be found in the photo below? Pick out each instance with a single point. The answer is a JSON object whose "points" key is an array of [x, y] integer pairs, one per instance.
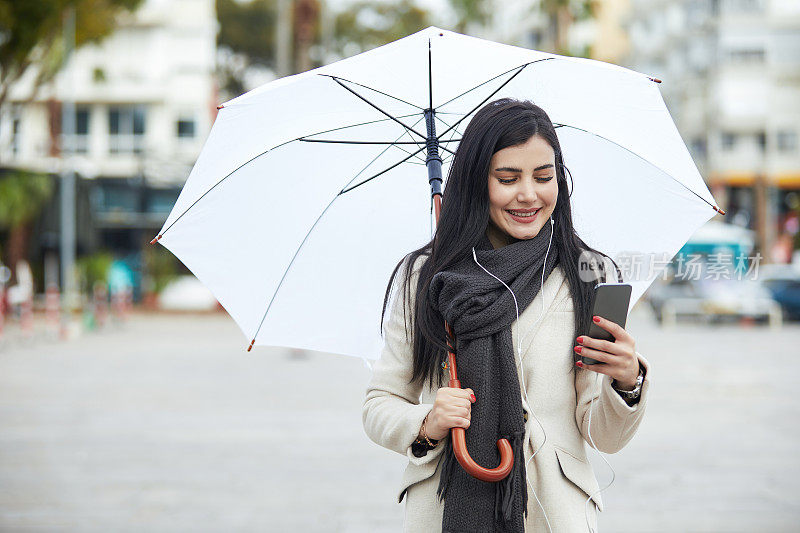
{"points": [[311, 188]]}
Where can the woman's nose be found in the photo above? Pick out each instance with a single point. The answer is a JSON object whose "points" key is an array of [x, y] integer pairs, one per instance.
{"points": [[527, 192]]}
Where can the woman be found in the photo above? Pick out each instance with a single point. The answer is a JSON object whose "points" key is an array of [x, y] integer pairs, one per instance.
{"points": [[503, 269]]}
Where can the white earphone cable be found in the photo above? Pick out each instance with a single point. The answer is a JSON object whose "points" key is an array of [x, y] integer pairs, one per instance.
{"points": [[613, 474]]}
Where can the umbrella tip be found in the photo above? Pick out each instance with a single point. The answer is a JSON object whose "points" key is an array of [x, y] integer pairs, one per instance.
{"points": [[654, 79], [155, 240], [719, 210], [251, 345]]}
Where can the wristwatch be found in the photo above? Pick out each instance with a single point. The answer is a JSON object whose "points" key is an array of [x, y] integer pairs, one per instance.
{"points": [[420, 448], [637, 390]]}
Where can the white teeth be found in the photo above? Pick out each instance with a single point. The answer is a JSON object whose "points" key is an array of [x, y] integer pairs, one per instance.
{"points": [[518, 214]]}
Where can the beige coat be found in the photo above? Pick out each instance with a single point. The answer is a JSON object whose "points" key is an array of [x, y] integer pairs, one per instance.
{"points": [[560, 474]]}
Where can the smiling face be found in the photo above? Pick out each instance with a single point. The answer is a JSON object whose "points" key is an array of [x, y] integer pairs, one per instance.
{"points": [[522, 191]]}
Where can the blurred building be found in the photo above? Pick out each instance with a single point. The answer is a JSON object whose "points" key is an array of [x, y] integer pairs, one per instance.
{"points": [[145, 101], [731, 79], [598, 34]]}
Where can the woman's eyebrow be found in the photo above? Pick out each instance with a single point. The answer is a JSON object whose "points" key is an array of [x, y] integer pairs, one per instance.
{"points": [[511, 169]]}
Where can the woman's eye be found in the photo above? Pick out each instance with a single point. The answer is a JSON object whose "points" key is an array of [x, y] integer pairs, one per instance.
{"points": [[544, 180], [506, 181]]}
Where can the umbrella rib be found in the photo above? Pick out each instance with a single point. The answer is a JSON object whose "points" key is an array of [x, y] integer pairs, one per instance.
{"points": [[670, 176], [348, 189], [380, 154], [454, 132], [288, 267], [407, 134], [359, 142], [334, 78], [335, 141], [492, 79], [421, 161], [404, 133], [160, 235], [457, 122], [373, 89], [425, 142]]}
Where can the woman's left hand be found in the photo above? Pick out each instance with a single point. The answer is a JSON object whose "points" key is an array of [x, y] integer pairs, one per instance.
{"points": [[617, 359]]}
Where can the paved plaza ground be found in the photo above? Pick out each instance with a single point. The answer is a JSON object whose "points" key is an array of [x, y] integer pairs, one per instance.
{"points": [[166, 423]]}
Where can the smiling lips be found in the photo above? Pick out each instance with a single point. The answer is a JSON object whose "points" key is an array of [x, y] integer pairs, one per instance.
{"points": [[525, 216]]}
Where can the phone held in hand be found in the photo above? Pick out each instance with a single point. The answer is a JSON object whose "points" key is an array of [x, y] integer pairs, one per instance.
{"points": [[611, 302]]}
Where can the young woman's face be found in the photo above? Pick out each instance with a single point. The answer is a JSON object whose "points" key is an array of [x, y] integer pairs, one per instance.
{"points": [[522, 181]]}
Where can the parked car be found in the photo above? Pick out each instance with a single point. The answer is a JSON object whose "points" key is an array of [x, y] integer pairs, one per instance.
{"points": [[187, 293], [713, 299], [783, 283]]}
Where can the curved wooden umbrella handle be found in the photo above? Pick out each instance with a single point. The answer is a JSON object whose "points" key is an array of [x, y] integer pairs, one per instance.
{"points": [[460, 441], [458, 434]]}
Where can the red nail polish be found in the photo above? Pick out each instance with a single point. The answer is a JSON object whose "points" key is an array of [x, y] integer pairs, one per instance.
{"points": [[580, 340], [578, 349], [596, 318], [473, 397], [578, 363]]}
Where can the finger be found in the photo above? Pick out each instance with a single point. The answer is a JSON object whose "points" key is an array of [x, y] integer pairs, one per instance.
{"points": [[461, 422], [457, 402], [594, 354], [612, 327], [598, 344], [469, 394], [600, 368]]}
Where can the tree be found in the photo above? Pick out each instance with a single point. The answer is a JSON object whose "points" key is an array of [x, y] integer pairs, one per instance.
{"points": [[366, 24], [561, 14], [22, 196], [470, 12], [246, 39], [31, 34]]}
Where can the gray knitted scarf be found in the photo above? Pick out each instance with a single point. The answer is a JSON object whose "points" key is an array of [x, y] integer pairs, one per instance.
{"points": [[480, 311]]}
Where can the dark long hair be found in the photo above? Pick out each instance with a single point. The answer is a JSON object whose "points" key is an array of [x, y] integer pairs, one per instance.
{"points": [[464, 218]]}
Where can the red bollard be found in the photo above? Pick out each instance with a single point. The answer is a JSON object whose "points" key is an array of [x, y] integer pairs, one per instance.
{"points": [[100, 297], [52, 310], [2, 309], [26, 317], [127, 301]]}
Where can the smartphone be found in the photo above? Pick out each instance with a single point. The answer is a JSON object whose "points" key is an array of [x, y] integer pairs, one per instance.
{"points": [[611, 302]]}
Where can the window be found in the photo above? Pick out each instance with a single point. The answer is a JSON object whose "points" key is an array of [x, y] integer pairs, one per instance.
{"points": [[743, 6], [728, 140], [746, 55], [15, 130], [761, 139], [698, 147], [161, 200], [787, 140], [126, 126], [116, 196], [82, 114], [185, 128]]}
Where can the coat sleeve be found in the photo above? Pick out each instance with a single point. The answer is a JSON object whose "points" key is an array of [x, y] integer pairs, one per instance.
{"points": [[613, 421], [392, 413]]}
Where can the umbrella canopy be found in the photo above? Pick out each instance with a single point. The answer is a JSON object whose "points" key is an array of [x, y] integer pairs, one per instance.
{"points": [[311, 188]]}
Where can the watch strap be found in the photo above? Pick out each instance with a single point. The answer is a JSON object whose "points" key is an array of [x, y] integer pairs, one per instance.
{"points": [[637, 390]]}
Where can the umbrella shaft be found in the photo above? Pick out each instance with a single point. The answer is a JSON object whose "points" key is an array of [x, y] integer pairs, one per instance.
{"points": [[434, 160]]}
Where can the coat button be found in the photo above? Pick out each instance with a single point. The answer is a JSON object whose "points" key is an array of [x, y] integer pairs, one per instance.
{"points": [[525, 415]]}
